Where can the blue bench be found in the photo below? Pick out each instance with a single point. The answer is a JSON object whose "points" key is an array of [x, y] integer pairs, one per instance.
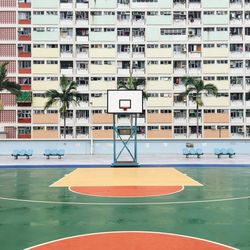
{"points": [[26, 153], [54, 152], [192, 151], [224, 151]]}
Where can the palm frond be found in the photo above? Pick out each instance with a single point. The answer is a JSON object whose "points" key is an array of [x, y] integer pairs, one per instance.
{"points": [[64, 83], [53, 97], [3, 71], [12, 87], [211, 89]]}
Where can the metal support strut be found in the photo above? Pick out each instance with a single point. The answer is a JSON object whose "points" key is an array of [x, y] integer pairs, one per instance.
{"points": [[125, 143]]}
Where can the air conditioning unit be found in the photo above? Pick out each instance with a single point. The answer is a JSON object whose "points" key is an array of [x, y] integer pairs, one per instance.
{"points": [[240, 130], [191, 32]]}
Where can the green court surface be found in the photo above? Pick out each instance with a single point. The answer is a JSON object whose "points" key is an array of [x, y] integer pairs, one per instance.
{"points": [[32, 213]]}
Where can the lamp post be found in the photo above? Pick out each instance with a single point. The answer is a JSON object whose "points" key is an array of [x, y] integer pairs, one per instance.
{"points": [[91, 127]]}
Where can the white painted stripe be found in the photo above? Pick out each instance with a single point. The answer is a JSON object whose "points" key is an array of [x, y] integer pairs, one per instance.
{"points": [[125, 203], [144, 232], [144, 196]]}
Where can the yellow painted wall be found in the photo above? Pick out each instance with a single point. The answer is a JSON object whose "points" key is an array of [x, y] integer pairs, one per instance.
{"points": [[102, 69], [215, 52], [160, 102], [39, 102], [102, 85], [159, 85], [45, 52], [159, 69], [102, 53], [216, 101], [45, 69], [99, 101], [215, 68], [44, 85], [45, 118], [159, 53]]}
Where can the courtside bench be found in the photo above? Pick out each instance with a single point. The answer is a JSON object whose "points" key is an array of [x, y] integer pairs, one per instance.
{"points": [[192, 151], [22, 153], [54, 152], [224, 151]]}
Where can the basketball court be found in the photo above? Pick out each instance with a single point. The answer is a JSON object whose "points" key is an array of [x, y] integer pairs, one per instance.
{"points": [[209, 211], [126, 205]]}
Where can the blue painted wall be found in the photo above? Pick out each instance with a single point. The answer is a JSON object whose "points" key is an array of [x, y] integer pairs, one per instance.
{"points": [[80, 147]]}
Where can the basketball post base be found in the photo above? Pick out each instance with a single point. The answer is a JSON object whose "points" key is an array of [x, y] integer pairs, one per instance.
{"points": [[125, 164]]}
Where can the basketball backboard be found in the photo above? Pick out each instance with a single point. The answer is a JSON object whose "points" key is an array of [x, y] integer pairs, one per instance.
{"points": [[124, 102]]}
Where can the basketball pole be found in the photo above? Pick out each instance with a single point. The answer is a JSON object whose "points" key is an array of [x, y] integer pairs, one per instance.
{"points": [[125, 142]]}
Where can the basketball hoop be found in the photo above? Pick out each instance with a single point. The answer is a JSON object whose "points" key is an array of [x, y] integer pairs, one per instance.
{"points": [[125, 108]]}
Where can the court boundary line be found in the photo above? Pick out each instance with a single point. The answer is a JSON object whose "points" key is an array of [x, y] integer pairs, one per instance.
{"points": [[144, 232], [91, 165], [183, 187], [126, 203]]}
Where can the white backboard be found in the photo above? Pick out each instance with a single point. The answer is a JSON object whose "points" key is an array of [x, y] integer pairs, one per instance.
{"points": [[125, 102]]}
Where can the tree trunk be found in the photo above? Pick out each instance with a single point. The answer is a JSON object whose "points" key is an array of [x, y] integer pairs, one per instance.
{"points": [[197, 117], [64, 124]]}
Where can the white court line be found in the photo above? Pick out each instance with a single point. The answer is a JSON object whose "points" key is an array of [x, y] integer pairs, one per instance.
{"points": [[144, 196], [126, 203], [144, 232]]}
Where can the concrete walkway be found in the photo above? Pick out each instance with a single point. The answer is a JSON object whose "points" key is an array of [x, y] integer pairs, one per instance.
{"points": [[153, 160]]}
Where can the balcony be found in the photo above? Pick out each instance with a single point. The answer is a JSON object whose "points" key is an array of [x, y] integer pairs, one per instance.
{"points": [[25, 87], [24, 53], [24, 70], [82, 5], [24, 5], [24, 99], [24, 21], [24, 37], [24, 136], [194, 71], [24, 120], [66, 4], [180, 4], [123, 71]]}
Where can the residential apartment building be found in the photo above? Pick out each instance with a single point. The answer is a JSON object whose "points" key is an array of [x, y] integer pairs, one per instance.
{"points": [[98, 42]]}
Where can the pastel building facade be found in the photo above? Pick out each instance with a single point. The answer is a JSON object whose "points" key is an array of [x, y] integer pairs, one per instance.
{"points": [[99, 42]]}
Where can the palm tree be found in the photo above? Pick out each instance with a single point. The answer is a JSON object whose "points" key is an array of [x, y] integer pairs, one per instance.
{"points": [[5, 84], [197, 87], [133, 84], [68, 94]]}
